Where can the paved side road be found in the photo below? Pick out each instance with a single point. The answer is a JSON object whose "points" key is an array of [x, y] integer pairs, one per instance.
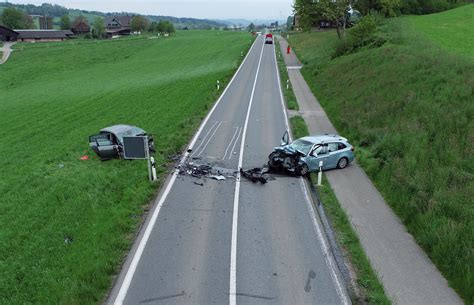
{"points": [[408, 275], [6, 51]]}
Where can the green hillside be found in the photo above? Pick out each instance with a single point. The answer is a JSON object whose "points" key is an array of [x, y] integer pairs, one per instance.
{"points": [[452, 30], [66, 222], [409, 108]]}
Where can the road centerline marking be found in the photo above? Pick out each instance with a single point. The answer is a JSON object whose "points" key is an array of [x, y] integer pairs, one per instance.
{"points": [[230, 142], [127, 280], [235, 143], [235, 215]]}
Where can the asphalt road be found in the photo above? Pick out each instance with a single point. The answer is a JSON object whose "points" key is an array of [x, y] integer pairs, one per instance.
{"points": [[233, 241]]}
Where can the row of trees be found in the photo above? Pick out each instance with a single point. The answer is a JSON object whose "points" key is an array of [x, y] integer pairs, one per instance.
{"points": [[141, 24], [16, 19], [309, 12], [138, 24]]}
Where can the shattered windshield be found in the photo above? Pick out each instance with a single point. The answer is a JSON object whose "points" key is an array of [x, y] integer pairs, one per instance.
{"points": [[302, 146]]}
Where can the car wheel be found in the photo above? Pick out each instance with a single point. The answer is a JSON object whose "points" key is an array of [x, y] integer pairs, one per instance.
{"points": [[342, 163], [302, 170]]}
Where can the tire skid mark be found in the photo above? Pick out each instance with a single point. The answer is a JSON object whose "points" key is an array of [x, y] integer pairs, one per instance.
{"points": [[230, 143], [204, 139]]}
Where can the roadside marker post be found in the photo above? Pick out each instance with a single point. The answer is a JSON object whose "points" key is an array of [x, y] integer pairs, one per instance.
{"points": [[218, 85], [320, 174], [153, 169], [287, 84]]}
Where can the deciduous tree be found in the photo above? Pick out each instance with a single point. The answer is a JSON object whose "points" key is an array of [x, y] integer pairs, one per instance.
{"points": [[65, 22], [139, 23], [251, 27], [165, 27], [335, 11], [16, 19], [98, 27]]}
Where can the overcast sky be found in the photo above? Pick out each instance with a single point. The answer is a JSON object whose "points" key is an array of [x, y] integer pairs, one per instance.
{"points": [[211, 9]]}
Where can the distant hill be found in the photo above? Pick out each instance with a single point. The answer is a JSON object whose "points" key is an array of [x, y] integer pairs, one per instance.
{"points": [[246, 22], [190, 23], [58, 11]]}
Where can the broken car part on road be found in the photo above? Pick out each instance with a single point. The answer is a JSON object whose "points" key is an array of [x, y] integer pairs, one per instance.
{"points": [[257, 174]]}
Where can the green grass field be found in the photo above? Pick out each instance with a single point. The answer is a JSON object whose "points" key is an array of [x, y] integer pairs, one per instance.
{"points": [[452, 30], [408, 106], [67, 223]]}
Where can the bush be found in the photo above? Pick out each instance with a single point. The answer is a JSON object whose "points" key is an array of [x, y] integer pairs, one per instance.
{"points": [[364, 33]]}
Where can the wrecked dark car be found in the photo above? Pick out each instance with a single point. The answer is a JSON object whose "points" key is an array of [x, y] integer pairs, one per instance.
{"points": [[305, 154], [108, 144]]}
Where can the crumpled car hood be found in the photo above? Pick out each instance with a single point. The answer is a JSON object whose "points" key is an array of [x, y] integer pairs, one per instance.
{"points": [[288, 149]]}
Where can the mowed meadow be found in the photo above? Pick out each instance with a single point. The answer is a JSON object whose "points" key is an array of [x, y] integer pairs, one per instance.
{"points": [[67, 223]]}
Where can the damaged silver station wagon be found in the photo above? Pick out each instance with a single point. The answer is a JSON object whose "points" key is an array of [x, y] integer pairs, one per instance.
{"points": [[303, 155], [108, 144]]}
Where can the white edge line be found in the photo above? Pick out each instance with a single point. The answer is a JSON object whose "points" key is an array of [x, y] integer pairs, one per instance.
{"points": [[235, 215], [141, 246], [230, 142], [235, 143], [323, 244]]}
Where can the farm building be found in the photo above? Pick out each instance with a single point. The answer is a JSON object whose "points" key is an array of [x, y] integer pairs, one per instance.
{"points": [[81, 28], [7, 34], [43, 35], [117, 25]]}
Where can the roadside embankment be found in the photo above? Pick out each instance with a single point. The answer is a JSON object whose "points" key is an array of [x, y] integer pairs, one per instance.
{"points": [[408, 107]]}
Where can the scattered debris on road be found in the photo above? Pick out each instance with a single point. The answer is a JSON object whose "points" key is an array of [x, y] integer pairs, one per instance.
{"points": [[205, 171], [199, 183], [257, 174]]}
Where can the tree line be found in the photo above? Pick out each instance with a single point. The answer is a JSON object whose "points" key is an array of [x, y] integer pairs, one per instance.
{"points": [[310, 12], [17, 19]]}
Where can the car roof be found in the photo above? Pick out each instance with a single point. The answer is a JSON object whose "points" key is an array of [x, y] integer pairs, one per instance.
{"points": [[315, 139], [123, 129]]}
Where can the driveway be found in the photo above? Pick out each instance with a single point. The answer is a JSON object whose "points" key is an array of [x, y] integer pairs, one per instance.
{"points": [[6, 51]]}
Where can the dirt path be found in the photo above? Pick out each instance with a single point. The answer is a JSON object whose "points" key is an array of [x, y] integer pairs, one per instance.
{"points": [[406, 272], [6, 51]]}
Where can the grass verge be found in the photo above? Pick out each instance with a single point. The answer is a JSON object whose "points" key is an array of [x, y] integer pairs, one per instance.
{"points": [[298, 127], [288, 93], [67, 223], [408, 106], [367, 288]]}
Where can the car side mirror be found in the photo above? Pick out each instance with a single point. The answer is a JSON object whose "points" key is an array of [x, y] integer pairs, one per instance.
{"points": [[285, 139]]}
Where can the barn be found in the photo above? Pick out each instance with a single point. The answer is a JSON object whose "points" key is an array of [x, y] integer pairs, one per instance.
{"points": [[43, 35], [7, 34]]}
